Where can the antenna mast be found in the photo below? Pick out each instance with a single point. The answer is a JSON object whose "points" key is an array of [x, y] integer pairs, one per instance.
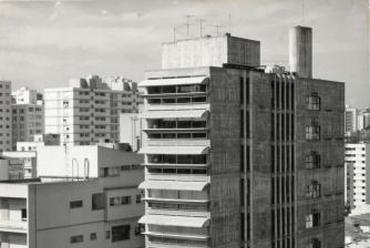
{"points": [[201, 21], [229, 23], [303, 14], [188, 24]]}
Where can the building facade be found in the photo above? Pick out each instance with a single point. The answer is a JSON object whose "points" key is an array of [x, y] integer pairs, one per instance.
{"points": [[27, 121], [236, 157], [25, 95], [90, 199], [88, 111], [22, 165], [351, 119], [357, 165], [5, 116]]}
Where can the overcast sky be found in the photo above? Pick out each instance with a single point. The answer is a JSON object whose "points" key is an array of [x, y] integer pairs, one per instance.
{"points": [[45, 43]]}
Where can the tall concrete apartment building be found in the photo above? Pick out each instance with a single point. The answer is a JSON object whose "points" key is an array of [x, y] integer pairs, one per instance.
{"points": [[87, 112], [357, 165], [27, 115], [237, 157], [5, 116], [86, 197]]}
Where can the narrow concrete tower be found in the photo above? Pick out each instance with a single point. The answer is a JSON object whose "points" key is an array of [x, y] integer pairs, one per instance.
{"points": [[300, 51]]}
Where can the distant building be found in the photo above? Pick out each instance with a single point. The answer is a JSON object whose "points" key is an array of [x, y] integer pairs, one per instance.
{"points": [[87, 112], [22, 165], [357, 164], [237, 157], [25, 95], [351, 119], [5, 116], [95, 206]]}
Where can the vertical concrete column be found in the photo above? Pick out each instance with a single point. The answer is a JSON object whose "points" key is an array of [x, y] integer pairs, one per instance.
{"points": [[300, 51]]}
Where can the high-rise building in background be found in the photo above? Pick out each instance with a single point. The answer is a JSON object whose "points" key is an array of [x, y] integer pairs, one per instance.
{"points": [[25, 95], [357, 164], [27, 115], [5, 116], [351, 119], [235, 156], [87, 112]]}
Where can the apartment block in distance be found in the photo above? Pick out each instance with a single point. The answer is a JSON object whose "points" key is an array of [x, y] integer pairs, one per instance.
{"points": [[351, 119], [83, 196], [357, 165], [87, 112], [5, 116], [239, 157], [27, 115]]}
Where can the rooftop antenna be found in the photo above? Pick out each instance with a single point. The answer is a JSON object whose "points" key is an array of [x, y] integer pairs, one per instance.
{"points": [[303, 17], [217, 26], [201, 21], [229, 23], [174, 33], [188, 24]]}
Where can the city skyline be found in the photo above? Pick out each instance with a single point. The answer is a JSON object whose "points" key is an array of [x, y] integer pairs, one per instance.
{"points": [[53, 41]]}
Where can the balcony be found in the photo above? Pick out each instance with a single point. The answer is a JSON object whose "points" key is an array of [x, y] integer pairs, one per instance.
{"points": [[177, 177], [177, 235], [157, 244], [175, 165], [13, 226]]}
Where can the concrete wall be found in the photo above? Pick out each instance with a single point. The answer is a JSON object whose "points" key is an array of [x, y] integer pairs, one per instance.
{"points": [[57, 161], [4, 169], [224, 158], [52, 222], [210, 51], [330, 175]]}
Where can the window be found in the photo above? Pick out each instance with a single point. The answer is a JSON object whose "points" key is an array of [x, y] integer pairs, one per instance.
{"points": [[313, 102], [312, 219], [312, 160], [314, 243], [98, 201], [77, 239], [138, 198], [139, 229], [110, 171], [313, 190], [75, 204], [119, 200], [120, 233], [24, 214], [313, 131], [93, 236]]}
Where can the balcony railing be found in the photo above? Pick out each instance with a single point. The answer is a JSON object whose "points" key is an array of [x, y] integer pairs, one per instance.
{"points": [[13, 226]]}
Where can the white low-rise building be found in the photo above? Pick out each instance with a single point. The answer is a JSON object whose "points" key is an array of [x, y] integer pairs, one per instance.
{"points": [[83, 196]]}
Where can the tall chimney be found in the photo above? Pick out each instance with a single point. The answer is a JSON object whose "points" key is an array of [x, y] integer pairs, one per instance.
{"points": [[300, 51]]}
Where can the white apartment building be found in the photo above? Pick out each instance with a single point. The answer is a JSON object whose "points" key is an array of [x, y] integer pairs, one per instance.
{"points": [[5, 116], [351, 119], [90, 199], [87, 112], [25, 95], [357, 165]]}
